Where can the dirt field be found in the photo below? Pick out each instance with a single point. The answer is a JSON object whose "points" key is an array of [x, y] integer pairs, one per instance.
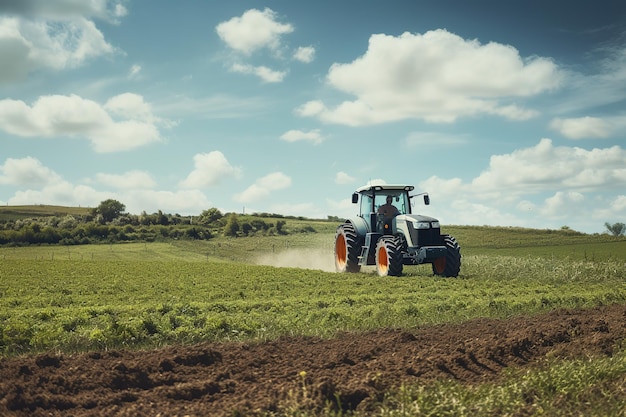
{"points": [[221, 379]]}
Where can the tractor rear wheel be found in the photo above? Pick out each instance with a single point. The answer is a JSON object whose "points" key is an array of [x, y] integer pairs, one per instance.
{"points": [[449, 265], [347, 249], [388, 257]]}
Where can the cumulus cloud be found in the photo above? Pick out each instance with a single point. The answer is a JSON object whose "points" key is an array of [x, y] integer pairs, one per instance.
{"points": [[125, 122], [582, 127], [263, 187], [313, 136], [343, 178], [60, 193], [27, 45], [27, 171], [437, 77], [209, 170], [103, 9], [545, 166], [558, 204], [304, 54], [253, 30], [266, 74], [129, 180], [555, 183]]}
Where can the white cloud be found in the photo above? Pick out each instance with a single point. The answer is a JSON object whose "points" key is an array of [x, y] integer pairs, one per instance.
{"points": [[61, 193], [558, 205], [343, 178], [263, 187], [614, 210], [185, 202], [103, 9], [27, 171], [132, 106], [266, 74], [252, 31], [30, 45], [304, 54], [436, 77], [544, 166], [582, 127], [444, 187], [209, 170], [74, 116], [129, 180], [298, 135], [537, 186]]}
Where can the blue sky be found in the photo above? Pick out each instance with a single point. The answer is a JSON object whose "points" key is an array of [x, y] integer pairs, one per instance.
{"points": [[506, 113]]}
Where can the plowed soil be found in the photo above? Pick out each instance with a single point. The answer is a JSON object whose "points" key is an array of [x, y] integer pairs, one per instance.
{"points": [[247, 378]]}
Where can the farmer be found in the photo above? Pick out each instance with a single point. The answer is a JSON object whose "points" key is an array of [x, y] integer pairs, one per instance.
{"points": [[388, 210]]}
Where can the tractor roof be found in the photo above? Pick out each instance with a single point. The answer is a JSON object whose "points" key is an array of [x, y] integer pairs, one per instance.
{"points": [[383, 187]]}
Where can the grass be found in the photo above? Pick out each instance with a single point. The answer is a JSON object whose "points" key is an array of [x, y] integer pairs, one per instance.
{"points": [[149, 294], [139, 295]]}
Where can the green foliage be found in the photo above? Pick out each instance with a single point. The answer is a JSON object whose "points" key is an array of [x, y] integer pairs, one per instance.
{"points": [[109, 209], [210, 216], [232, 226], [616, 229]]}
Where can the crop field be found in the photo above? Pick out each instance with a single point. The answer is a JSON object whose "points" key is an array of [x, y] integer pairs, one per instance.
{"points": [[190, 304]]}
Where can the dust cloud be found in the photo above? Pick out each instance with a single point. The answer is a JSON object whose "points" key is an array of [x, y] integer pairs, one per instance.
{"points": [[300, 258]]}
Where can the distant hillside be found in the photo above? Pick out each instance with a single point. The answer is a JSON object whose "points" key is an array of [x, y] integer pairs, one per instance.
{"points": [[42, 210]]}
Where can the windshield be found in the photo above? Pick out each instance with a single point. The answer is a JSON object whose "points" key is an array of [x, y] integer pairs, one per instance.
{"points": [[399, 199]]}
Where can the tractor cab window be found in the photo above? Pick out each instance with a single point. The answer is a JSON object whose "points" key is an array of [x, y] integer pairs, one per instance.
{"points": [[386, 201], [366, 204]]}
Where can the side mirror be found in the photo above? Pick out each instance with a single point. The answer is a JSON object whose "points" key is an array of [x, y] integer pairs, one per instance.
{"points": [[426, 199], [355, 198]]}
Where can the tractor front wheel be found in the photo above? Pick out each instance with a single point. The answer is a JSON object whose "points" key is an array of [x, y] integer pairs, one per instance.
{"points": [[449, 265], [388, 257], [347, 249]]}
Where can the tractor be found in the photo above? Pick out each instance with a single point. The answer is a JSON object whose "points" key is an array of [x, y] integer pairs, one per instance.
{"points": [[390, 236]]}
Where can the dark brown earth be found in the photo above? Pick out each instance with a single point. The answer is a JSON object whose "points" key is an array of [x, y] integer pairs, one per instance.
{"points": [[248, 378]]}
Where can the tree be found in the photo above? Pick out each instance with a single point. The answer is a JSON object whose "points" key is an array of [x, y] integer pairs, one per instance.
{"points": [[232, 226], [210, 216], [109, 209], [616, 229]]}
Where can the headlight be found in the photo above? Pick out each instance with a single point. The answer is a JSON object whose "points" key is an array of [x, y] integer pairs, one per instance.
{"points": [[435, 225], [421, 225]]}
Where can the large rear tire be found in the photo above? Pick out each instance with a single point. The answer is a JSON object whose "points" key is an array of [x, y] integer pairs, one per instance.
{"points": [[449, 265], [388, 257], [347, 249]]}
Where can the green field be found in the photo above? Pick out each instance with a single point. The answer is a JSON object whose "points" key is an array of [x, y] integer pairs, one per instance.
{"points": [[149, 294], [141, 295]]}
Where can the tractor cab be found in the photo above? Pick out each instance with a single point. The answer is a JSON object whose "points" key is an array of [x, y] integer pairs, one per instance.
{"points": [[374, 205]]}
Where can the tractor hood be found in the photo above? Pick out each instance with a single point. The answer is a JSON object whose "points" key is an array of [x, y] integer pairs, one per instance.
{"points": [[416, 218]]}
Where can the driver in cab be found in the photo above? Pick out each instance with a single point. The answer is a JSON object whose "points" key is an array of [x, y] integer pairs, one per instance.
{"points": [[388, 210]]}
